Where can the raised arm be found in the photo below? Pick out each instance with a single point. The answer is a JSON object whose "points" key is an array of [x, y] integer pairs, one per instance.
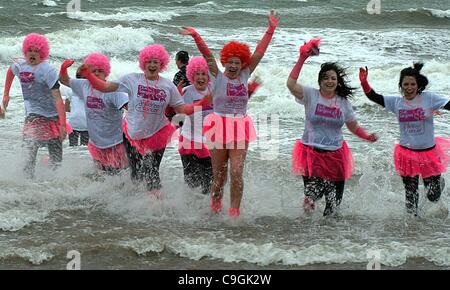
{"points": [[203, 48], [306, 50], [96, 83], [5, 100], [63, 75], [360, 132], [264, 43], [368, 91]]}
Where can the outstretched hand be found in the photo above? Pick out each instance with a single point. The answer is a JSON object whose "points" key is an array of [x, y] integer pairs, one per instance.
{"points": [[187, 31], [363, 74], [310, 48], [273, 18], [373, 137], [67, 63]]}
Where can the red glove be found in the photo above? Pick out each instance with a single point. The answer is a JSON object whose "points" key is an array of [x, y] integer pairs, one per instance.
{"points": [[201, 45], [96, 83], [253, 86], [363, 74], [310, 48], [189, 108], [264, 43], [64, 66]]}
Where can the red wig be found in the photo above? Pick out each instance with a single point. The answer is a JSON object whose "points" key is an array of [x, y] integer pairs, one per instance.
{"points": [[237, 49]]}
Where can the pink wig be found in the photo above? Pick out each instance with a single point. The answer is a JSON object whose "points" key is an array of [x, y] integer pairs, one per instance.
{"points": [[195, 65], [37, 41], [237, 49], [98, 61], [154, 51]]}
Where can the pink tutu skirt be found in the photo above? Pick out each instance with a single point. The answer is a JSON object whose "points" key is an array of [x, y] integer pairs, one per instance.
{"points": [[114, 156], [220, 130], [40, 129], [424, 163], [69, 129], [329, 165], [189, 147], [156, 142]]}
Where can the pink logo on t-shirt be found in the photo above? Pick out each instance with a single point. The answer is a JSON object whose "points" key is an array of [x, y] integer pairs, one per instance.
{"points": [[95, 103], [151, 93], [236, 91], [411, 115], [327, 112], [26, 77]]}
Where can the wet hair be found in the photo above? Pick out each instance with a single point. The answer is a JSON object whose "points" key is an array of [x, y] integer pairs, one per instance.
{"points": [[342, 89], [37, 41], [98, 61], [154, 51], [182, 56], [237, 49], [195, 65], [414, 71]]}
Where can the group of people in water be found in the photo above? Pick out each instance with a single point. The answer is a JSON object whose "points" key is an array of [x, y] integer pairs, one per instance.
{"points": [[128, 125]]}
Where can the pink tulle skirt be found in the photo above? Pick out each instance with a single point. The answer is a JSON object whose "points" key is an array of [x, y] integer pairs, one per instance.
{"points": [[330, 165], [68, 128], [40, 129], [156, 142], [114, 156], [424, 163], [221, 130], [189, 147]]}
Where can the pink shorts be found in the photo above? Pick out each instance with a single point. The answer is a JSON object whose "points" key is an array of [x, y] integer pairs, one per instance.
{"points": [[114, 156], [424, 163], [329, 165]]}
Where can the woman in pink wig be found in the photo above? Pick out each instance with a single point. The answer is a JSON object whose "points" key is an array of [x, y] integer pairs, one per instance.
{"points": [[45, 116], [104, 112]]}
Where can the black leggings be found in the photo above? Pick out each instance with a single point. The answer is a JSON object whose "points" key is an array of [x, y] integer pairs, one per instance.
{"points": [[75, 135], [197, 172], [432, 186], [316, 187], [31, 147], [144, 167]]}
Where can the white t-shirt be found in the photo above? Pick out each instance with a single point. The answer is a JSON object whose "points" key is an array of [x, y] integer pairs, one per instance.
{"points": [[193, 124], [36, 82], [230, 95], [103, 113], [77, 115], [415, 118], [147, 103], [324, 119]]}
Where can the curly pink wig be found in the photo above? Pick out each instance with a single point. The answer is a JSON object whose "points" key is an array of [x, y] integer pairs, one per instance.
{"points": [[237, 49], [98, 61], [154, 51], [37, 41], [195, 65]]}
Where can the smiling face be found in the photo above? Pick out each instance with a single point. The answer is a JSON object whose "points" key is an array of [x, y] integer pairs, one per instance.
{"points": [[329, 82], [409, 87], [200, 80], [32, 56], [152, 68], [233, 67]]}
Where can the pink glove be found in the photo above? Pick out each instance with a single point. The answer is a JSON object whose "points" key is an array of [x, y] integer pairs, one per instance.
{"points": [[64, 66], [363, 74], [96, 83], [204, 102], [310, 48], [253, 86], [201, 45], [264, 43]]}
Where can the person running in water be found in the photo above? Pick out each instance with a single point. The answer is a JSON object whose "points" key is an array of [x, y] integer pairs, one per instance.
{"points": [[45, 116], [229, 129], [322, 156], [419, 152], [104, 113]]}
